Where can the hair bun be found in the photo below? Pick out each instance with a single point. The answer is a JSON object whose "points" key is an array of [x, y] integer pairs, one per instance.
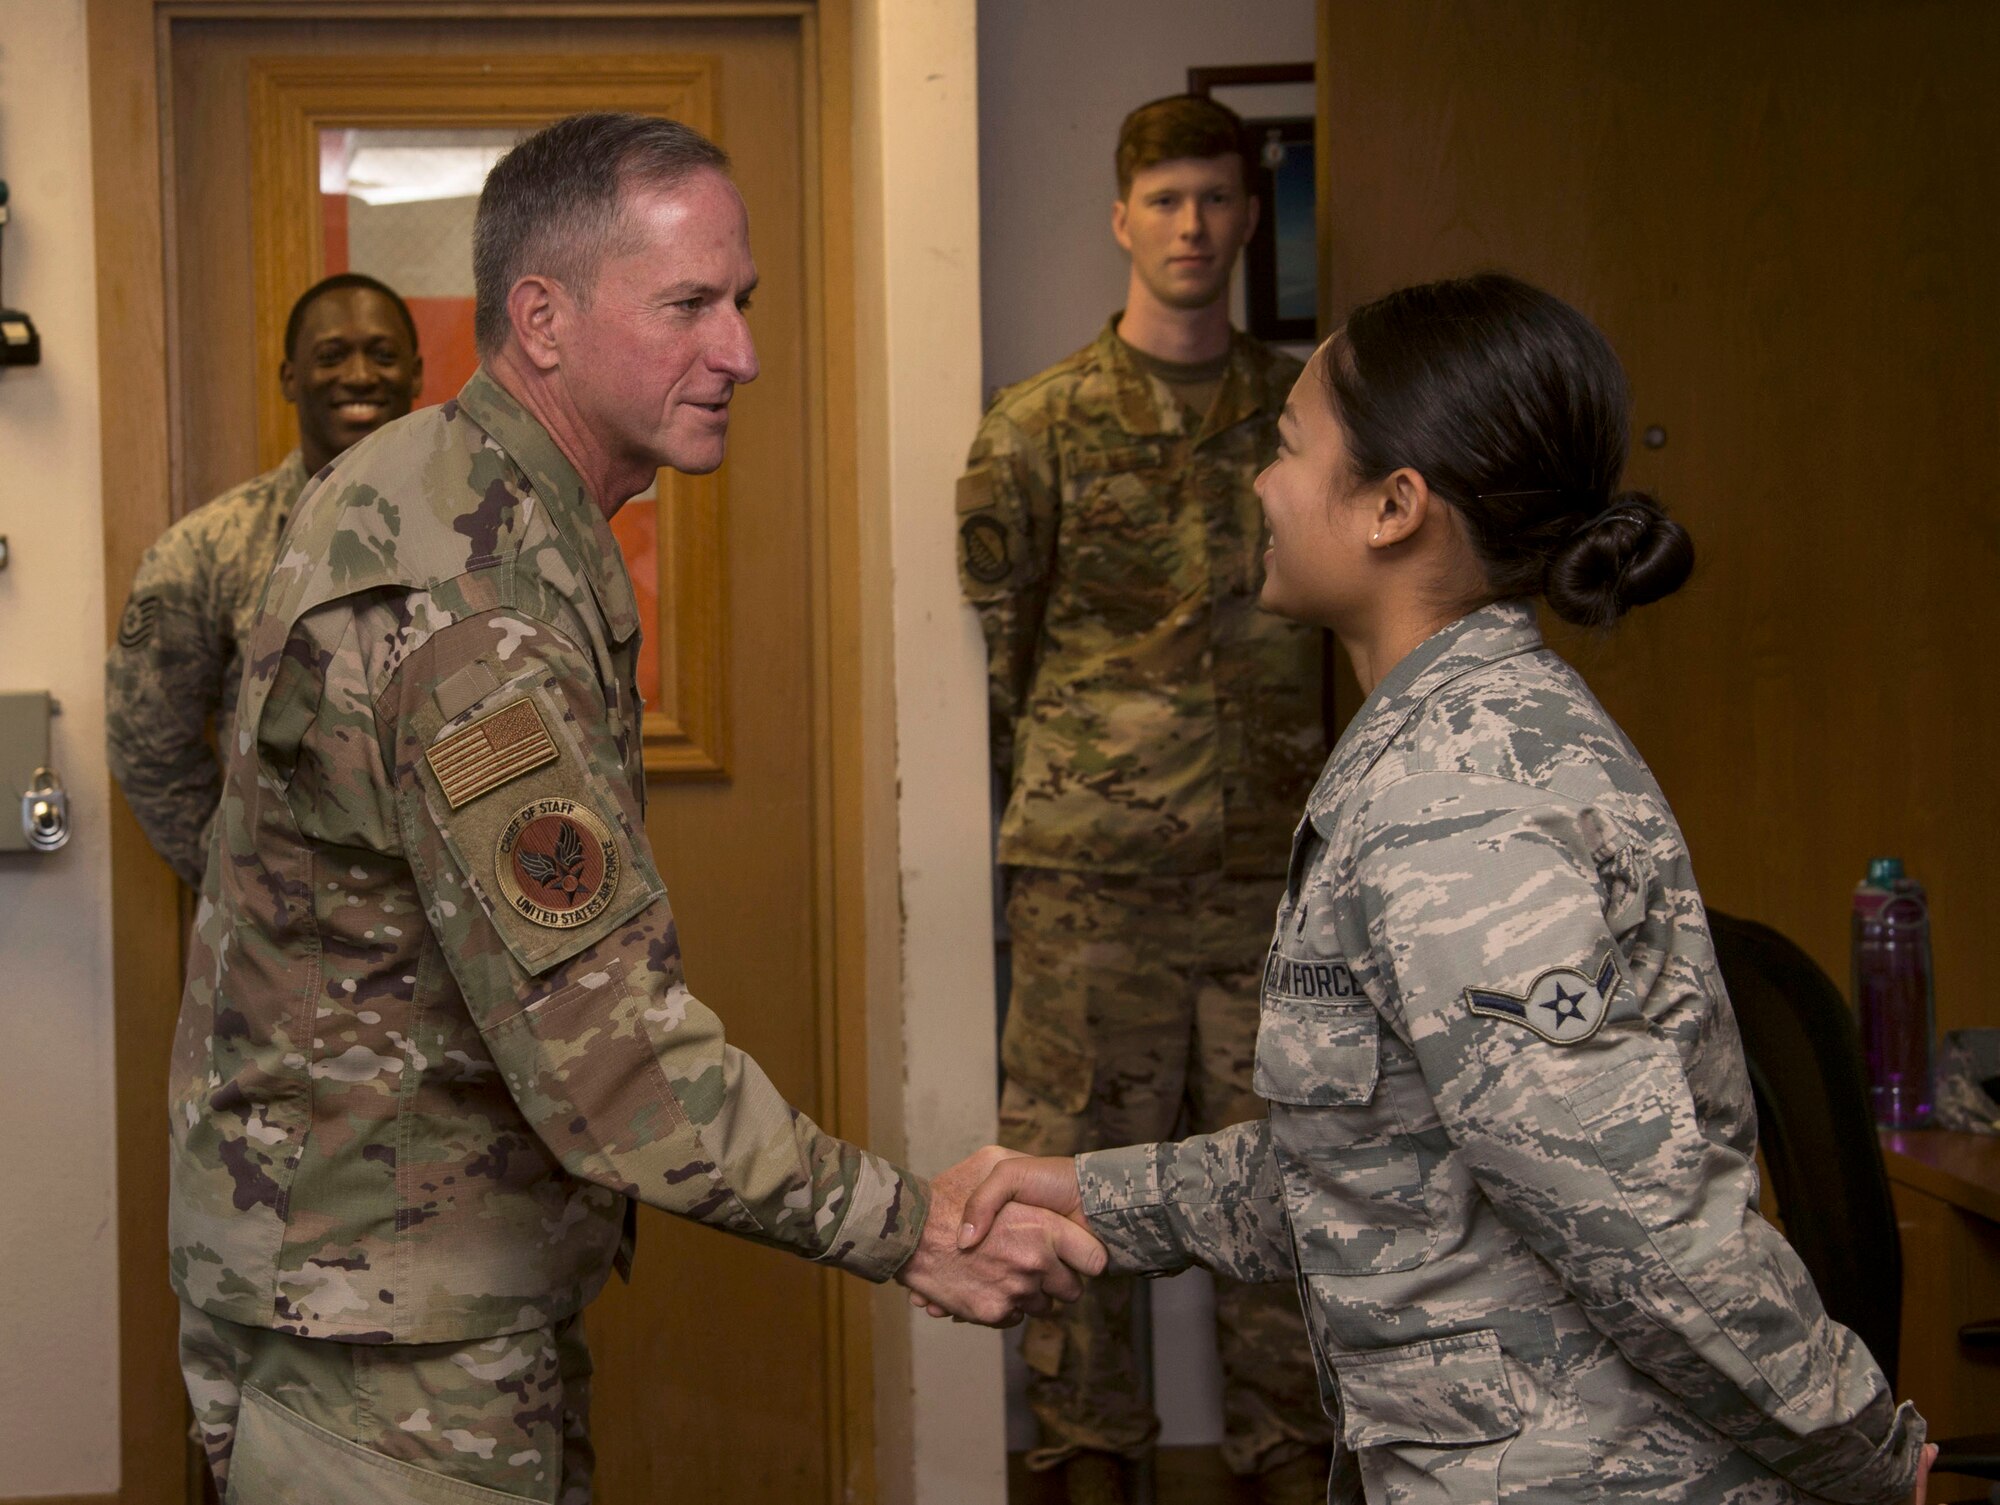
{"points": [[1627, 555]]}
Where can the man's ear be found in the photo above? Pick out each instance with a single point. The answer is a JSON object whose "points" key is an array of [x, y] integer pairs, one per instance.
{"points": [[288, 381], [1256, 214], [535, 307], [1121, 230], [416, 377], [1402, 505]]}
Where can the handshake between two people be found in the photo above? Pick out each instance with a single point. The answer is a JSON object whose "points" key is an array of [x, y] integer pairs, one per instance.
{"points": [[1005, 1239]]}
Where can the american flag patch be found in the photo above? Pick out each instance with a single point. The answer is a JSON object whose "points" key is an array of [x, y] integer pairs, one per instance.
{"points": [[494, 749]]}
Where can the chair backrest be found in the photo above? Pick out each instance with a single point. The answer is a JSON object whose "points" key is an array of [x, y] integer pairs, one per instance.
{"points": [[1817, 1128]]}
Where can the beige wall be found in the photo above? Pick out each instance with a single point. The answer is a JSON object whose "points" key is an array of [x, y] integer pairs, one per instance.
{"points": [[933, 1059], [58, 1302]]}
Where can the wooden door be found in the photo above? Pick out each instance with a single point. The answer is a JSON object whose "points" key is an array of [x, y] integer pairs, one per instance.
{"points": [[1783, 216], [718, 1374]]}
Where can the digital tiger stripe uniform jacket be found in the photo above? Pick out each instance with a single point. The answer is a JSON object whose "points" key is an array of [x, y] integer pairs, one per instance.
{"points": [[1510, 1159]]}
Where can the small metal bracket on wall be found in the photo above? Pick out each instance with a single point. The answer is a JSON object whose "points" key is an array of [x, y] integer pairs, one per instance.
{"points": [[26, 770], [20, 342]]}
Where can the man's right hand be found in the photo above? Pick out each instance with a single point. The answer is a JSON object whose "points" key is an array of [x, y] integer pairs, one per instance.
{"points": [[1031, 1259]]}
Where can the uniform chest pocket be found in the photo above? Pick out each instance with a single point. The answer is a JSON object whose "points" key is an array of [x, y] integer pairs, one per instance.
{"points": [[1356, 1179], [1317, 1055]]}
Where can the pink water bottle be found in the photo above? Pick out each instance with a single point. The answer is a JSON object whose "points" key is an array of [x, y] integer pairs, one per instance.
{"points": [[1892, 992]]}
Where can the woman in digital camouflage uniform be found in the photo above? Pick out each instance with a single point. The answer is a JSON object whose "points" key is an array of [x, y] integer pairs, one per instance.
{"points": [[1510, 1155]]}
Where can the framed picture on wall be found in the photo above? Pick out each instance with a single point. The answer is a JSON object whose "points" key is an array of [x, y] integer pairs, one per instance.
{"points": [[1281, 263]]}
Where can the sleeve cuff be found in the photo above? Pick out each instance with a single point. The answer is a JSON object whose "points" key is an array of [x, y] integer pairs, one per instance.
{"points": [[1127, 1210], [884, 1221]]}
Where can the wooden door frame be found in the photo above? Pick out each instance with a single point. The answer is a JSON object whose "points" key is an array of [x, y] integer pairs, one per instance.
{"points": [[129, 44]]}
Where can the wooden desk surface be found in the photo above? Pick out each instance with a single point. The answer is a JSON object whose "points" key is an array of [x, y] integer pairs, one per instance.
{"points": [[1955, 1167]]}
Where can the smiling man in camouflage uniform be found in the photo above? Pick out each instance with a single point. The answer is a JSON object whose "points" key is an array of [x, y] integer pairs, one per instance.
{"points": [[436, 1035], [351, 365], [1155, 732]]}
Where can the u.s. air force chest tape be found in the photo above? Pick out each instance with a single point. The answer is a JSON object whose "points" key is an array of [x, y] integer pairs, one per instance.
{"points": [[1318, 1036], [1562, 1005], [533, 826]]}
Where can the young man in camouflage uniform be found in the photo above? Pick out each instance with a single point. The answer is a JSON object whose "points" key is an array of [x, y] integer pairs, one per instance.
{"points": [[436, 1034], [1155, 732], [351, 365]]}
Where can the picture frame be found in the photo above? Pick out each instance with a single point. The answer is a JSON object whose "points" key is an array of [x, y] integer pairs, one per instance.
{"points": [[1281, 262]]}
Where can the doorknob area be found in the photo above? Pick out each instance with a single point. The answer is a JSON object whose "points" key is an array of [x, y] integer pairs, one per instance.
{"points": [[1655, 437], [26, 771]]}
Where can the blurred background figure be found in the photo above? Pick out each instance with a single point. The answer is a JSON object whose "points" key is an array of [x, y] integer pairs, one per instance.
{"points": [[351, 364], [1153, 732]]}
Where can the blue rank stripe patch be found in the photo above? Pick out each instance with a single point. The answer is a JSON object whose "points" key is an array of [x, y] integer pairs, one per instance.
{"points": [[1563, 1006]]}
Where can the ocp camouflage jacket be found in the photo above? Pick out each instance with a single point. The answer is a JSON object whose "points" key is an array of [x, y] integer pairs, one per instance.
{"points": [[1147, 715], [177, 661], [1510, 1159], [435, 1031]]}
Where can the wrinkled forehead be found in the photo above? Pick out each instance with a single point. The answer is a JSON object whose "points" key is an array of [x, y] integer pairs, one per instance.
{"points": [[702, 207]]}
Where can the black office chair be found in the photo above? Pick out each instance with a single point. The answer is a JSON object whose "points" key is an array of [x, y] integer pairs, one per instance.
{"points": [[1816, 1127]]}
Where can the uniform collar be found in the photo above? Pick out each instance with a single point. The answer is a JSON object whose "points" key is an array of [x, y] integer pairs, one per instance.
{"points": [[288, 480], [1503, 630], [562, 491], [1140, 404]]}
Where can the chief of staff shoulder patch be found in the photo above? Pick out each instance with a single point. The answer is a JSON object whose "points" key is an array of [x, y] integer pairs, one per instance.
{"points": [[1563, 1006], [557, 863]]}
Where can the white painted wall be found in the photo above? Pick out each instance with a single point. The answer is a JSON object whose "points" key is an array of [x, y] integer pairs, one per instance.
{"points": [[933, 1059], [59, 1297], [1056, 77]]}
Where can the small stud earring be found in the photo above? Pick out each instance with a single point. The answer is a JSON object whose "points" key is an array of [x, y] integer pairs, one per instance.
{"points": [[1378, 536]]}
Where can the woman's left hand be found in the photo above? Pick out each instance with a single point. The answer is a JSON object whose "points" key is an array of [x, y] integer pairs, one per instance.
{"points": [[1924, 1462]]}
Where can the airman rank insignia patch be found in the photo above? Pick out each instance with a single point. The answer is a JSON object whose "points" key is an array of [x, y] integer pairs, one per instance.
{"points": [[481, 757], [1563, 1006], [557, 863]]}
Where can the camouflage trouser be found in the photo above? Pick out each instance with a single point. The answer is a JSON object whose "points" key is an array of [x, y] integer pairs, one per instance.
{"points": [[1132, 996], [304, 1421]]}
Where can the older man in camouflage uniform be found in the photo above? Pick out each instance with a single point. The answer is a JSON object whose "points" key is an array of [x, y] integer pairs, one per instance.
{"points": [[351, 365], [1154, 731], [436, 1035], [1510, 1161]]}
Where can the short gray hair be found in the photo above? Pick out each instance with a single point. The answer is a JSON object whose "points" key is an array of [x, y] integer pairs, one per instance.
{"points": [[553, 204]]}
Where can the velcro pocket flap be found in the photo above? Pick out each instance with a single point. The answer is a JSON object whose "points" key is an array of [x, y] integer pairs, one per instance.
{"points": [[537, 830], [1315, 1054], [1443, 1392], [280, 1458]]}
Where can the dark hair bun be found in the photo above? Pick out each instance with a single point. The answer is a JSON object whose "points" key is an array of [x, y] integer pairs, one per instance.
{"points": [[1627, 555]]}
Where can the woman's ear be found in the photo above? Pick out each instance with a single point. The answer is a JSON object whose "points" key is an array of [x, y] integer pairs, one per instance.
{"points": [[1402, 504]]}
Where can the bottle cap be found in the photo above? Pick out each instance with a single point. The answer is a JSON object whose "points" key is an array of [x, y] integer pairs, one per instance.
{"points": [[1884, 871]]}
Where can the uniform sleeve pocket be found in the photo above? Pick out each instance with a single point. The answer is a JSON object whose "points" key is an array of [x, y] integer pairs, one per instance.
{"points": [[1446, 1392], [540, 836], [1753, 1318], [1316, 1055], [1640, 1119]]}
